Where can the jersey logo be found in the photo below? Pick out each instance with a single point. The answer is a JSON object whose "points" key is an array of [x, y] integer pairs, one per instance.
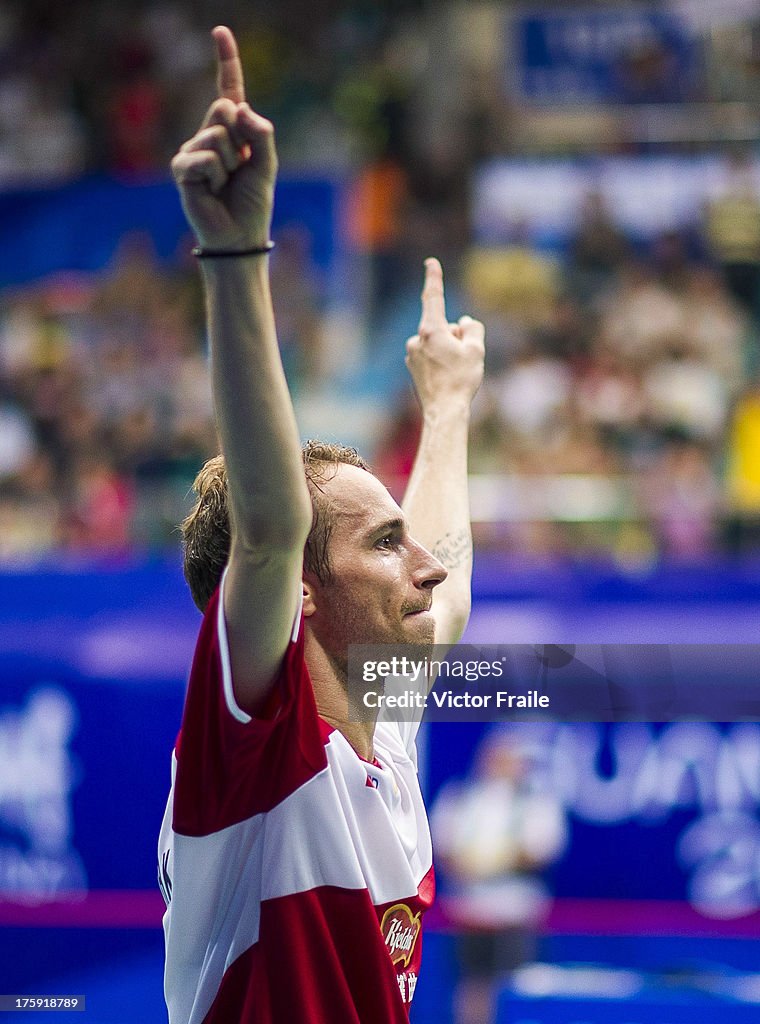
{"points": [[400, 931], [373, 782]]}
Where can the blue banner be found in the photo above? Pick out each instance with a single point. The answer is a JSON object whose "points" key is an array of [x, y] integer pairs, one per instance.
{"points": [[79, 226], [93, 663], [626, 54], [683, 798]]}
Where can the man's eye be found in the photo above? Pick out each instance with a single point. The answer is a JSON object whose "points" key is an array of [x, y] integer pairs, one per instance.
{"points": [[385, 542]]}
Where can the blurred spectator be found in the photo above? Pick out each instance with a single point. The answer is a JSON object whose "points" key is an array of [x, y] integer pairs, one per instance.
{"points": [[743, 469], [30, 509], [733, 231], [513, 279], [298, 306], [716, 327], [609, 396], [99, 516], [376, 206], [17, 442], [395, 454], [596, 250], [532, 392], [672, 253], [683, 395], [494, 837], [568, 331], [136, 110], [684, 501], [639, 315], [735, 59]]}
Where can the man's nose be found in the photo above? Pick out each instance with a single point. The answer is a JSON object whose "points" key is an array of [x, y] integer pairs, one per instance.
{"points": [[431, 571]]}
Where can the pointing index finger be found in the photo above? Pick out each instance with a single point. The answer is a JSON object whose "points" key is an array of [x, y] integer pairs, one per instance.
{"points": [[229, 75], [433, 302]]}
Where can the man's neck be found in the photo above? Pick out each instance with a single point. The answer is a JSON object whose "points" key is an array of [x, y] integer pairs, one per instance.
{"points": [[359, 734], [330, 692]]}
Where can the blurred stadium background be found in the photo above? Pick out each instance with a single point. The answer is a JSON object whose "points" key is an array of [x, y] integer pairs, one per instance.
{"points": [[589, 175]]}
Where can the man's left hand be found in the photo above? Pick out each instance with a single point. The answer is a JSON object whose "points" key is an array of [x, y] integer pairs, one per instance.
{"points": [[445, 360]]}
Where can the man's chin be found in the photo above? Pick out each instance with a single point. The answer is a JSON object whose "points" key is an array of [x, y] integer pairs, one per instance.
{"points": [[416, 628], [419, 628]]}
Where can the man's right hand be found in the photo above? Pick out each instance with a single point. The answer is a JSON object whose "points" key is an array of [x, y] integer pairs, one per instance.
{"points": [[226, 173]]}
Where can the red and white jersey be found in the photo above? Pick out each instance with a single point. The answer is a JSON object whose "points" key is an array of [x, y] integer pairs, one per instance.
{"points": [[295, 873]]}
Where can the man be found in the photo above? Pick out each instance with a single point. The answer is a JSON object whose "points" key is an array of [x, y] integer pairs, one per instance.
{"points": [[295, 854], [494, 836]]}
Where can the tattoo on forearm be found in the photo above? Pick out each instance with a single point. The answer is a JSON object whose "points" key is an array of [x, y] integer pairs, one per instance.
{"points": [[454, 549]]}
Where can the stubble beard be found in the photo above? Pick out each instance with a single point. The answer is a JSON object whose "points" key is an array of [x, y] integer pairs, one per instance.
{"points": [[417, 641]]}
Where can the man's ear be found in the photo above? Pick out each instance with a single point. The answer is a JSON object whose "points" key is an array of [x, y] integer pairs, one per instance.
{"points": [[309, 607]]}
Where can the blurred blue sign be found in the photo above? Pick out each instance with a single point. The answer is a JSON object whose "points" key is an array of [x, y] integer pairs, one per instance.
{"points": [[682, 797], [625, 54], [92, 669], [79, 226]]}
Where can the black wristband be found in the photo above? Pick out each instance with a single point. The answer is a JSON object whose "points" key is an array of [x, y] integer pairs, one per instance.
{"points": [[225, 254]]}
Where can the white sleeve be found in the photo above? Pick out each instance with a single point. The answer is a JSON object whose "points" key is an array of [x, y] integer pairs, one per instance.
{"points": [[224, 652]]}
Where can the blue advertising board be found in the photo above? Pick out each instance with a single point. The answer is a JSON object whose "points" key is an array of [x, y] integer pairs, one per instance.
{"points": [[80, 225], [586, 55], [662, 820], [93, 664]]}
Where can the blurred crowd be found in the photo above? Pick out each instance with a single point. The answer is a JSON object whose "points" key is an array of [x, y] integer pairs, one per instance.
{"points": [[105, 408], [624, 371], [617, 369], [637, 365]]}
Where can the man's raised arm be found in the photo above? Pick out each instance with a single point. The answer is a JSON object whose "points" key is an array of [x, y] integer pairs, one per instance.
{"points": [[226, 177], [446, 364]]}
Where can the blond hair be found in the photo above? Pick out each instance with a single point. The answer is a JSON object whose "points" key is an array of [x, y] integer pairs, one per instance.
{"points": [[206, 530]]}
